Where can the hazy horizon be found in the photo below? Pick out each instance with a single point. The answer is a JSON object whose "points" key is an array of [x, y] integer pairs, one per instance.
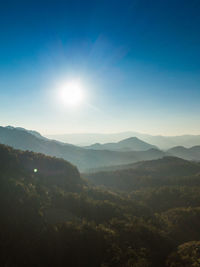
{"points": [[42, 132]]}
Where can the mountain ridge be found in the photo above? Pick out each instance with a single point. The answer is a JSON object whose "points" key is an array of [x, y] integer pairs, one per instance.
{"points": [[161, 141], [86, 159], [128, 144], [82, 158], [167, 171]]}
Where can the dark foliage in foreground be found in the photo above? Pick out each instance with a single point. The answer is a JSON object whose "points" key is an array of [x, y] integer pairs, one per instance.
{"points": [[51, 217]]}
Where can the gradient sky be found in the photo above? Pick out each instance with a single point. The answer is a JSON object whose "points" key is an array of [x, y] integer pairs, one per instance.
{"points": [[138, 61]]}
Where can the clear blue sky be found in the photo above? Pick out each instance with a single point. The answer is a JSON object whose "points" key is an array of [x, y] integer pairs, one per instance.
{"points": [[138, 62]]}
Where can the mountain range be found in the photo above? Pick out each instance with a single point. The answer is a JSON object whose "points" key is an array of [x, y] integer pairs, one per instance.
{"points": [[92, 158], [163, 142], [168, 171], [84, 159], [128, 144], [192, 153]]}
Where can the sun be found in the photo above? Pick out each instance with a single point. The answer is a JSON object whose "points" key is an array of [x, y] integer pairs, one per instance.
{"points": [[72, 93]]}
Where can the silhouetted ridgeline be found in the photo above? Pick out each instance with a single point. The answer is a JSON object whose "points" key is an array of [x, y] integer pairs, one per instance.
{"points": [[38, 167], [129, 144], [192, 153], [51, 217], [163, 142], [84, 159], [90, 159], [162, 172]]}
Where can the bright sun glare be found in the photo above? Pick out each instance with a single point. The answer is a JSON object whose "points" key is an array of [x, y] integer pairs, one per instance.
{"points": [[71, 93]]}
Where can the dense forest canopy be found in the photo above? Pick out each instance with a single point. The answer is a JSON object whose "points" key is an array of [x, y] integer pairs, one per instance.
{"points": [[51, 216]]}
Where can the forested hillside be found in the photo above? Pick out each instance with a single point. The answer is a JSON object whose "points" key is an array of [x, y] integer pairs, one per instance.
{"points": [[162, 172], [50, 216]]}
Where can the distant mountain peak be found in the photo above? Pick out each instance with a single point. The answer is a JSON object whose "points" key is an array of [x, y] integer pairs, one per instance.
{"points": [[10, 127], [35, 133], [131, 139], [128, 144]]}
